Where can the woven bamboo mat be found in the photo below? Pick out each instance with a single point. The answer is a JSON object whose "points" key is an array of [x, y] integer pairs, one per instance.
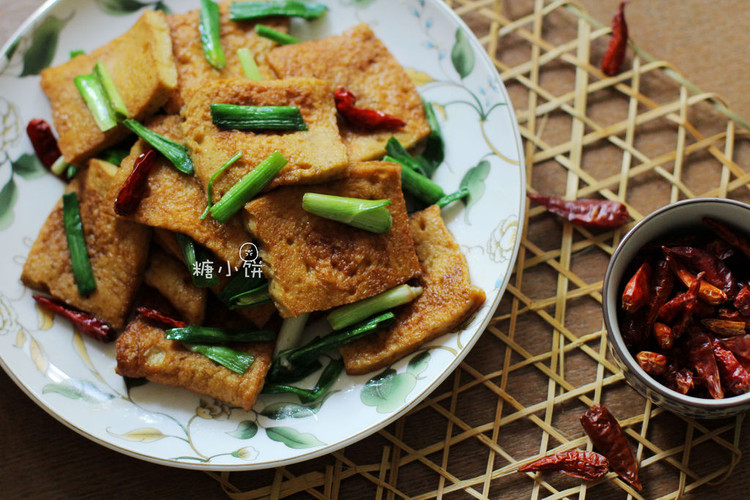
{"points": [[646, 137]]}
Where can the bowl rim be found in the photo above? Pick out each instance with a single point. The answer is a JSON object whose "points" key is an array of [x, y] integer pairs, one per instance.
{"points": [[612, 326]]}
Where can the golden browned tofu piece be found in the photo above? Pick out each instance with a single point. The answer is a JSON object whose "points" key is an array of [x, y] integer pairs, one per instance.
{"points": [[315, 155], [314, 264], [192, 66], [359, 62], [117, 250], [447, 301], [174, 282], [175, 201], [142, 67], [144, 351]]}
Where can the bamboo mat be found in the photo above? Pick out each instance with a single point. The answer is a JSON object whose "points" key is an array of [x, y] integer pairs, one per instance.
{"points": [[646, 137]]}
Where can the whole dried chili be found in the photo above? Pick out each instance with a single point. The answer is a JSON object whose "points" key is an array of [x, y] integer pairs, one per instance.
{"points": [[131, 193], [724, 327], [43, 140], [663, 336], [733, 375], [634, 331], [686, 315], [720, 249], [716, 272], [587, 465], [679, 380], [598, 214], [608, 437], [729, 235], [740, 346], [615, 54], [652, 363], [637, 292], [742, 301], [85, 322], [706, 291], [663, 283], [671, 309], [703, 362], [160, 317], [361, 117]]}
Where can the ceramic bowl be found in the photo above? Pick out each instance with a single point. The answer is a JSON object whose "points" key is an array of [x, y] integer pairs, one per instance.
{"points": [[683, 216]]}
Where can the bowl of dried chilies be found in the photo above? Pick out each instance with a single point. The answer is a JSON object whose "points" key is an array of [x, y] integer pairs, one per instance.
{"points": [[676, 301]]}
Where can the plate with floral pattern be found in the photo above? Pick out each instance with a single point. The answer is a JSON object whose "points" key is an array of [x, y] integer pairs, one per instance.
{"points": [[73, 378]]}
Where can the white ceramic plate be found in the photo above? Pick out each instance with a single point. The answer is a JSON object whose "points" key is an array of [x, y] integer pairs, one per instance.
{"points": [[73, 378]]}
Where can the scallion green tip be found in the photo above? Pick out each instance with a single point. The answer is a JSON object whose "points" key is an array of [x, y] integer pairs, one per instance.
{"points": [[95, 98], [176, 153], [246, 11], [235, 360], [116, 103], [79, 257], [210, 31], [276, 36]]}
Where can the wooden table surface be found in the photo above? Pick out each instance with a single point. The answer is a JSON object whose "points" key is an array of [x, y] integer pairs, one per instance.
{"points": [[41, 458]]}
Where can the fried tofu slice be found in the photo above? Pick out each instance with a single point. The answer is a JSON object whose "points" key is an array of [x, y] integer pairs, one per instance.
{"points": [[172, 279], [143, 69], [313, 263], [447, 301], [117, 249], [314, 155], [358, 61], [192, 67], [144, 351], [175, 201]]}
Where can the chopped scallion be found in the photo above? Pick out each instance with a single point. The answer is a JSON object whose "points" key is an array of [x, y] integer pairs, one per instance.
{"points": [[210, 187], [397, 153], [210, 30], [198, 261], [327, 378], [276, 36], [116, 102], [254, 297], [455, 196], [246, 188], [79, 257], [245, 11], [354, 313], [239, 285], [114, 155], [234, 116], [370, 215], [71, 172], [235, 360], [174, 152], [60, 166], [207, 335], [247, 61], [290, 333], [434, 151], [96, 100], [76, 53], [417, 184]]}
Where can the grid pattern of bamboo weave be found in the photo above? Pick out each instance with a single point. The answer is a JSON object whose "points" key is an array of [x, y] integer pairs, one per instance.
{"points": [[646, 137]]}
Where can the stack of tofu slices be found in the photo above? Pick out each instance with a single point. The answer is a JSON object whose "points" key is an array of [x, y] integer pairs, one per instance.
{"points": [[312, 264]]}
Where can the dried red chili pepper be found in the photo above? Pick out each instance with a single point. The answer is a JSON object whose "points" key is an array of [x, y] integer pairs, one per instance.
{"points": [[716, 272], [671, 309], [652, 363], [599, 214], [85, 322], [637, 292], [663, 335], [706, 291], [608, 437], [729, 235], [43, 140], [160, 317], [742, 301], [740, 346], [587, 465], [720, 249], [733, 375], [679, 380], [131, 193], [724, 327], [361, 117], [701, 357], [634, 330], [663, 284], [686, 316], [615, 55]]}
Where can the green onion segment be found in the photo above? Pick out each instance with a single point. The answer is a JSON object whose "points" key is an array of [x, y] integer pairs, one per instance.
{"points": [[246, 188], [59, 166], [327, 378], [96, 100], [79, 257], [254, 297], [206, 335], [434, 151], [398, 154], [354, 313], [116, 103], [235, 360], [290, 332], [247, 61], [210, 30], [76, 53], [370, 215], [455, 196], [210, 187], [276, 36], [237, 286], [195, 256], [237, 117], [176, 153], [417, 184], [245, 11]]}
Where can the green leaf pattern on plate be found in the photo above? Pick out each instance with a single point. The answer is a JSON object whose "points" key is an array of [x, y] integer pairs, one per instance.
{"points": [[245, 430], [125, 7], [462, 54], [40, 53], [473, 180], [28, 166], [78, 389], [8, 198], [293, 438], [388, 390]]}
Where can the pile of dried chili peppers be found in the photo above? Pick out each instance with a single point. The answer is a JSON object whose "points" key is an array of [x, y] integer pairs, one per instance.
{"points": [[685, 312]]}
